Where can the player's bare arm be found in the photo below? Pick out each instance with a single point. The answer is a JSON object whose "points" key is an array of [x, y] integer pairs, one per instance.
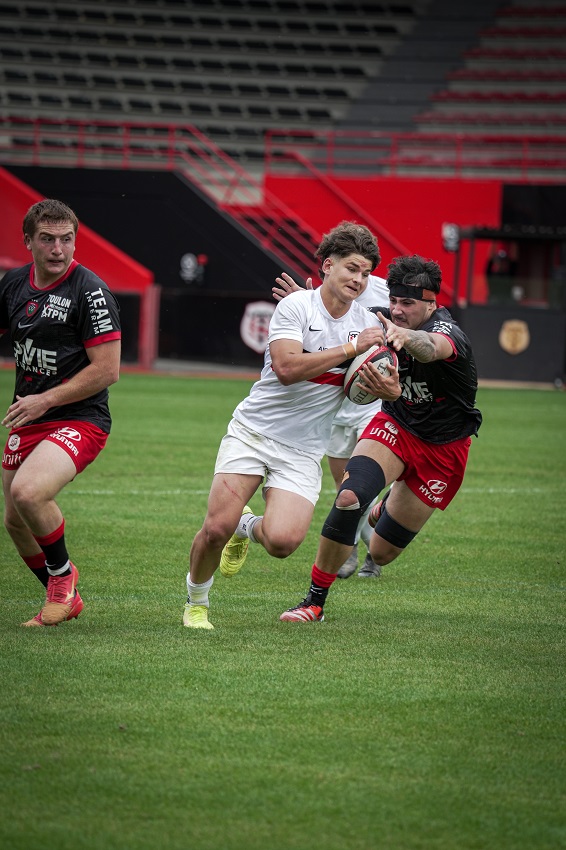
{"points": [[286, 285], [102, 371], [422, 345], [291, 364]]}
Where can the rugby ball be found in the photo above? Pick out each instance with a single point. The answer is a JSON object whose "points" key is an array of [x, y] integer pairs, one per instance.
{"points": [[381, 355]]}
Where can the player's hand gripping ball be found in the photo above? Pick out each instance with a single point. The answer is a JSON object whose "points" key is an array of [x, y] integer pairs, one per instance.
{"points": [[381, 355]]}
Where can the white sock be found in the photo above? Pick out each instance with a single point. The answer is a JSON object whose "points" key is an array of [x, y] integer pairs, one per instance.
{"points": [[252, 522], [198, 593], [245, 526], [60, 571]]}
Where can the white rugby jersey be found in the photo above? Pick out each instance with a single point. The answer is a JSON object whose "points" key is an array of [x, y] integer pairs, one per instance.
{"points": [[301, 415], [376, 294]]}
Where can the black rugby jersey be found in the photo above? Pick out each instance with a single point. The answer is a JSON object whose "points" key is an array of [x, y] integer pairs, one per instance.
{"points": [[52, 328], [438, 399]]}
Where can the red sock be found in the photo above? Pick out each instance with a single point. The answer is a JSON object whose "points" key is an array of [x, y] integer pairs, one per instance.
{"points": [[52, 537], [54, 548], [36, 563], [322, 579]]}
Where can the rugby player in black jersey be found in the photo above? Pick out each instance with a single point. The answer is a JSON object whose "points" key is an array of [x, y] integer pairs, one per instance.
{"points": [[420, 441], [64, 325]]}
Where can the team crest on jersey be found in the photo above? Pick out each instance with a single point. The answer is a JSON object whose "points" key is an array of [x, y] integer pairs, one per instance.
{"points": [[31, 308]]}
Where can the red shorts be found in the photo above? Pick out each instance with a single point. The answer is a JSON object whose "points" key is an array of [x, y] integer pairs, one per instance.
{"points": [[82, 441], [433, 473]]}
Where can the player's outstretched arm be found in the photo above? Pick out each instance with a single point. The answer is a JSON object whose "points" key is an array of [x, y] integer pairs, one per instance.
{"points": [[422, 345]]}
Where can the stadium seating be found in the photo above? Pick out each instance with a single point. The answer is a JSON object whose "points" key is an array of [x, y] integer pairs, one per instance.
{"points": [[223, 65], [238, 68], [513, 79]]}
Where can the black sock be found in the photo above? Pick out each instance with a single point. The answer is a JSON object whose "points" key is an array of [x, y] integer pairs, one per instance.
{"points": [[317, 594], [56, 555], [42, 575]]}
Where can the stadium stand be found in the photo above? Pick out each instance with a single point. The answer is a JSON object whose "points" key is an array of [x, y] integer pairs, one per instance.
{"points": [[512, 81], [247, 72], [233, 67], [239, 70]]}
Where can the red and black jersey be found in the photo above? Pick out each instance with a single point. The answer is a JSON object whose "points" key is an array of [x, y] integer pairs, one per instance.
{"points": [[52, 328], [438, 399]]}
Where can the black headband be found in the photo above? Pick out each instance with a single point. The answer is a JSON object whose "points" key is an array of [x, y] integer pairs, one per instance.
{"points": [[401, 290]]}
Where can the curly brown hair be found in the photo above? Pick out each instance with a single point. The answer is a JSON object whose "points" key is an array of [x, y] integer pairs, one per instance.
{"points": [[349, 238]]}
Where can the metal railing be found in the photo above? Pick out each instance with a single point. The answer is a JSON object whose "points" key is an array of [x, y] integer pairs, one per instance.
{"points": [[341, 153], [136, 145]]}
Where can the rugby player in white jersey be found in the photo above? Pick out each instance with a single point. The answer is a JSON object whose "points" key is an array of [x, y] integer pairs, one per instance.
{"points": [[349, 424], [280, 431]]}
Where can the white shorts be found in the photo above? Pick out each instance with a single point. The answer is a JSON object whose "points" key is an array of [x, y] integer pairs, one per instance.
{"points": [[343, 439], [245, 452]]}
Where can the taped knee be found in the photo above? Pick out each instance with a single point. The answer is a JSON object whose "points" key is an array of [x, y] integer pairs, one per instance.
{"points": [[365, 479], [392, 531]]}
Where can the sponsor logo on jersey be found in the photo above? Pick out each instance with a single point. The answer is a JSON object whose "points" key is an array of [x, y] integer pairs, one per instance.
{"points": [[56, 308], [32, 359], [436, 486], [416, 392], [433, 489], [99, 312], [384, 436], [440, 327], [391, 427], [11, 459], [70, 433], [68, 436]]}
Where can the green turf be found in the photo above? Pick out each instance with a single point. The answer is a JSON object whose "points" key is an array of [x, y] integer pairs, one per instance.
{"points": [[426, 712]]}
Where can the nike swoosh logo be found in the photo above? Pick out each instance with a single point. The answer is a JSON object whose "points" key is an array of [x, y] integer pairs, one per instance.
{"points": [[71, 594], [24, 326], [315, 330]]}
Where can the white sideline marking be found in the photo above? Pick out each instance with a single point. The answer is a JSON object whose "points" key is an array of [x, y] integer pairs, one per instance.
{"points": [[482, 490]]}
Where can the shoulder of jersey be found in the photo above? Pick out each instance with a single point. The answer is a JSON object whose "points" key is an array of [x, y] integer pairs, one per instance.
{"points": [[15, 273]]}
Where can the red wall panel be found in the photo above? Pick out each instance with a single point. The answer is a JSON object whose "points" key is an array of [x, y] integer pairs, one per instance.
{"points": [[410, 210]]}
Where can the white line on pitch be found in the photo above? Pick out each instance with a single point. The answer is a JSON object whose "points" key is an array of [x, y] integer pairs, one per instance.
{"points": [[149, 492]]}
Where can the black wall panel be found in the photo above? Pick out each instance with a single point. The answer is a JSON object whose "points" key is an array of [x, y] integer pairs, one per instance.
{"points": [[157, 218]]}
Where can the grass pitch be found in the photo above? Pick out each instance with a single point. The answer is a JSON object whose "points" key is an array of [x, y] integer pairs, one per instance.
{"points": [[426, 713]]}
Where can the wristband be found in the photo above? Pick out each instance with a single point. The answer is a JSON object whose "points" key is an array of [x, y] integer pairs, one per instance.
{"points": [[349, 350]]}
